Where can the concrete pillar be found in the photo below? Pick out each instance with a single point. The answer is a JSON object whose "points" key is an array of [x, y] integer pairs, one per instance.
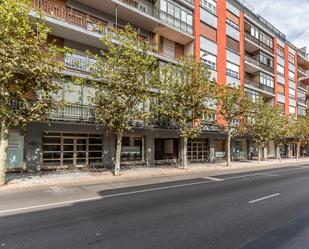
{"points": [[211, 143], [150, 149], [265, 152], [33, 146], [109, 150]]}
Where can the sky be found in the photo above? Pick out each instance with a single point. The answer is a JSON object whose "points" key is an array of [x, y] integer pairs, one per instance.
{"points": [[291, 17]]}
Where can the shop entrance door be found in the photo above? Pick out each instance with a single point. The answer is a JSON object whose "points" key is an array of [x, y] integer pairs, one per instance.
{"points": [[75, 151]]}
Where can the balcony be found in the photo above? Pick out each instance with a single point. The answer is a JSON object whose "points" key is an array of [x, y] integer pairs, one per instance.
{"points": [[255, 84], [258, 43], [258, 64], [79, 63], [69, 15], [74, 112]]}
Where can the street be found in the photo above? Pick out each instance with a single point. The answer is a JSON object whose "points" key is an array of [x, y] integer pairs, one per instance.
{"points": [[256, 210]]}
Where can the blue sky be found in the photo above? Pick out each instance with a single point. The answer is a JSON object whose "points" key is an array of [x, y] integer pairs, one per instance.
{"points": [[289, 16]]}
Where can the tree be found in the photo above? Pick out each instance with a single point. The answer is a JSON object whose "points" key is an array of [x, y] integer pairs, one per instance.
{"points": [[124, 76], [281, 131], [29, 65], [233, 106], [299, 130], [185, 91], [266, 123]]}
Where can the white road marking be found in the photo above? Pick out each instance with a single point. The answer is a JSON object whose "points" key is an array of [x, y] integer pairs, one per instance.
{"points": [[100, 197], [264, 198], [215, 179], [263, 173], [211, 179]]}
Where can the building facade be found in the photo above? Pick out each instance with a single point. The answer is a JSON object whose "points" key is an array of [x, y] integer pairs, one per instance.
{"points": [[239, 47]]}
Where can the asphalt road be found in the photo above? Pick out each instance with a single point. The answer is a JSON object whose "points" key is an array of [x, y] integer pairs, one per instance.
{"points": [[256, 210]]}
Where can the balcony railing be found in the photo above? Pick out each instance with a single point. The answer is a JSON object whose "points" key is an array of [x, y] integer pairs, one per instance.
{"points": [[69, 15], [74, 112], [302, 85], [153, 11], [258, 42], [79, 63], [258, 64], [259, 86], [301, 70]]}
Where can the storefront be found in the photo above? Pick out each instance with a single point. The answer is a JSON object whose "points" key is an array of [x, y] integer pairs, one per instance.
{"points": [[240, 149], [72, 150], [166, 150], [132, 150], [220, 146], [15, 153], [198, 150]]}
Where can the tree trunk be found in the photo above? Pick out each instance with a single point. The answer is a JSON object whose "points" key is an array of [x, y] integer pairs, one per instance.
{"points": [[278, 153], [228, 154], [4, 144], [298, 150], [118, 153], [184, 154], [259, 153]]}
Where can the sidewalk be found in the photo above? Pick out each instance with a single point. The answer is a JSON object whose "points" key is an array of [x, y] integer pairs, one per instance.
{"points": [[140, 174]]}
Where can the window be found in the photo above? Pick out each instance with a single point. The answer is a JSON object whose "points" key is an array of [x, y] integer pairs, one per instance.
{"points": [[132, 149], [266, 80], [302, 111], [292, 92], [232, 44], [280, 51], [209, 59], [266, 40], [292, 109], [280, 69], [281, 89], [302, 96], [253, 95], [234, 25], [291, 75], [281, 107], [209, 4], [209, 32], [231, 18], [291, 58], [266, 59], [232, 70], [254, 32], [175, 14]]}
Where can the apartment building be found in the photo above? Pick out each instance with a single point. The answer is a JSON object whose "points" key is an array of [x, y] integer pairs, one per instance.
{"points": [[240, 48]]}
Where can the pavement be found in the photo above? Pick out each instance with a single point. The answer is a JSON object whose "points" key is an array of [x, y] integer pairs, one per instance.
{"points": [[256, 209], [136, 175]]}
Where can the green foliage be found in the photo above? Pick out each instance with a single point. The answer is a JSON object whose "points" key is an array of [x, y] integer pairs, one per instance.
{"points": [[29, 66], [185, 93], [266, 123], [124, 78], [233, 105], [299, 129]]}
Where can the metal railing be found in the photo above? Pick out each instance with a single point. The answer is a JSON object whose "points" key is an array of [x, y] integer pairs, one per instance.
{"points": [[258, 64], [69, 15], [153, 11], [302, 85], [74, 112], [78, 63], [258, 42], [301, 70], [259, 85]]}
